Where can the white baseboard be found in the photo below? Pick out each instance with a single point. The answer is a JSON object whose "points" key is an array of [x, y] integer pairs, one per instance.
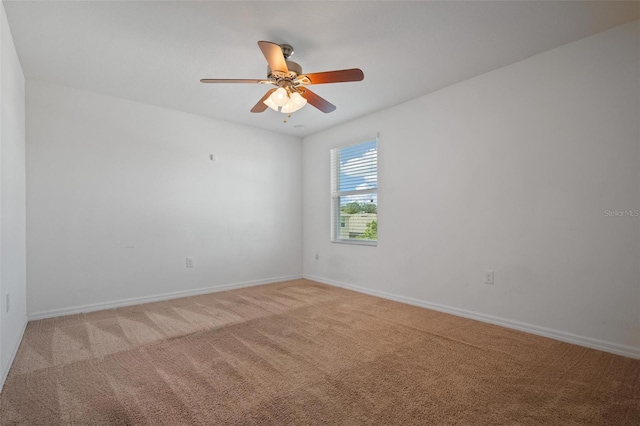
{"points": [[155, 298], [628, 351], [14, 351]]}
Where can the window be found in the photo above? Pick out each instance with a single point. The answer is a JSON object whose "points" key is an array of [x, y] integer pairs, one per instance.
{"points": [[354, 193]]}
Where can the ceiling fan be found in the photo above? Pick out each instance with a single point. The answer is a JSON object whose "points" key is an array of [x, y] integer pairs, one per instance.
{"points": [[290, 93]]}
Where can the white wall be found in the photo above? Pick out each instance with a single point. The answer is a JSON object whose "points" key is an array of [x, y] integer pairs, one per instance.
{"points": [[119, 194], [511, 171], [12, 200]]}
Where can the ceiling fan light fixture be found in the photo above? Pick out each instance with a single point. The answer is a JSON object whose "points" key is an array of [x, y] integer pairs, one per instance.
{"points": [[279, 98], [296, 101]]}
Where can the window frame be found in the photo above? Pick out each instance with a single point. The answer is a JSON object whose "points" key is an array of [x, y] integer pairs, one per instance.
{"points": [[336, 194]]}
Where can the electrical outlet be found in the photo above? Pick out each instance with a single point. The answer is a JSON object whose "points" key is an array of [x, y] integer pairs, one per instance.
{"points": [[189, 262], [488, 277], [8, 303]]}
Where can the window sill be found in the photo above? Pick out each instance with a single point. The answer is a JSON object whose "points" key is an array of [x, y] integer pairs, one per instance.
{"points": [[356, 242]]}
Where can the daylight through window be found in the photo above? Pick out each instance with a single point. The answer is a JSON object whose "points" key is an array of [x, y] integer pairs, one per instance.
{"points": [[354, 193]]}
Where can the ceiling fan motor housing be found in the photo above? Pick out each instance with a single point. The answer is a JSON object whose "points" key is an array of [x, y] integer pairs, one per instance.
{"points": [[294, 70]]}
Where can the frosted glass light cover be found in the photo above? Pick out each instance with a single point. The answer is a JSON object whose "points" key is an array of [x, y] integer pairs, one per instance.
{"points": [[269, 102], [280, 97], [295, 103]]}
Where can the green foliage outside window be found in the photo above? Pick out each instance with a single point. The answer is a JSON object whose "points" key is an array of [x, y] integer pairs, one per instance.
{"points": [[356, 207], [371, 233]]}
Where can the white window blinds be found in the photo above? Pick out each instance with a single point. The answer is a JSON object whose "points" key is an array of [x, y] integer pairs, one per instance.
{"points": [[354, 193]]}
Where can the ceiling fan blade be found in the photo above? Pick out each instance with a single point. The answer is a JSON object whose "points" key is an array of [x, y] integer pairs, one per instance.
{"points": [[261, 106], [273, 53], [315, 100], [340, 76], [233, 80]]}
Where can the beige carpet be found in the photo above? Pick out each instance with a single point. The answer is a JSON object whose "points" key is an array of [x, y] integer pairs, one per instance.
{"points": [[301, 353]]}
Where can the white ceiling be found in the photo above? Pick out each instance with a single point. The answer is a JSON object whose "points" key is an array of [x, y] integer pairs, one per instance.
{"points": [[156, 52]]}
